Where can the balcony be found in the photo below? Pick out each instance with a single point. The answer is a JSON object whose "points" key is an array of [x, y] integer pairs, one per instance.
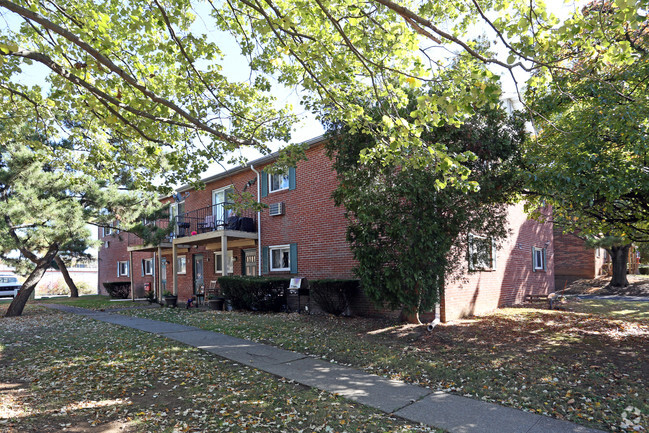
{"points": [[201, 225], [214, 218], [135, 242]]}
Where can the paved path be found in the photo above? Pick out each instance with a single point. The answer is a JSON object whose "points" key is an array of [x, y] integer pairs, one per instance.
{"points": [[435, 408]]}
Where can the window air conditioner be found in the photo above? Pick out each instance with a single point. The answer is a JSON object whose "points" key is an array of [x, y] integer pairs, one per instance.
{"points": [[276, 209]]}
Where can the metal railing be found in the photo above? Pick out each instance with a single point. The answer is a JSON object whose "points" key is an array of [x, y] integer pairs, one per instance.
{"points": [[203, 220], [163, 223], [215, 217]]}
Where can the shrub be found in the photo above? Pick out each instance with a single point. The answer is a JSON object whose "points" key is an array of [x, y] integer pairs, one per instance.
{"points": [[255, 293], [643, 270], [49, 288], [85, 288], [118, 290], [333, 296]]}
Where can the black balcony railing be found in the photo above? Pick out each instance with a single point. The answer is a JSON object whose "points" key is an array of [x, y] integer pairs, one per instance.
{"points": [[207, 219], [163, 223], [215, 217]]}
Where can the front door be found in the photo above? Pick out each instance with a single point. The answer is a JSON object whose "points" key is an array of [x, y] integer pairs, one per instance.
{"points": [[198, 273], [163, 277], [250, 260]]}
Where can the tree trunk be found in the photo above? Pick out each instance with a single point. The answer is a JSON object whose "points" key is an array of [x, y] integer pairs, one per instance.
{"points": [[409, 316], [619, 257], [74, 292], [18, 304]]}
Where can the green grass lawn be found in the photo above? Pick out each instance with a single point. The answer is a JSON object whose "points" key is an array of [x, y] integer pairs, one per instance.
{"points": [[590, 365], [60, 372], [628, 311], [95, 302]]}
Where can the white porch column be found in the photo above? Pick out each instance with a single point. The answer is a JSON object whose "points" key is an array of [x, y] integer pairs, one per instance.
{"points": [[158, 288], [174, 267], [155, 273], [224, 253], [130, 274]]}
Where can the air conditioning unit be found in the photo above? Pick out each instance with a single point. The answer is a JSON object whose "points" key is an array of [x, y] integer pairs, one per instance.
{"points": [[276, 209]]}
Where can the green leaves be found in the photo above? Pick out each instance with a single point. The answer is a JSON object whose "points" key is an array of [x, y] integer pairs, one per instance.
{"points": [[405, 216]]}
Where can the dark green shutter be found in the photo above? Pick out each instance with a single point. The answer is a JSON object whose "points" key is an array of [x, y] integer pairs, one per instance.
{"points": [[142, 267], [293, 258], [265, 260], [291, 178], [533, 261], [545, 261], [264, 183]]}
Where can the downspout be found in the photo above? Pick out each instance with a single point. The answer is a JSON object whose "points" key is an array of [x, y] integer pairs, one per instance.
{"points": [[252, 167]]}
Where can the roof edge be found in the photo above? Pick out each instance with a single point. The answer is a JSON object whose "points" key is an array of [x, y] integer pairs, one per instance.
{"points": [[259, 161]]}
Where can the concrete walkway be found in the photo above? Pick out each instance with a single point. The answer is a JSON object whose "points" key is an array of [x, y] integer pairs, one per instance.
{"points": [[415, 403]]}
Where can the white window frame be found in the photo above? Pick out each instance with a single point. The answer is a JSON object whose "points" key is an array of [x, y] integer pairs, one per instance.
{"points": [[226, 212], [181, 265], [218, 260], [107, 231], [126, 268], [282, 186], [477, 266], [538, 253], [147, 266], [106, 244], [279, 248]]}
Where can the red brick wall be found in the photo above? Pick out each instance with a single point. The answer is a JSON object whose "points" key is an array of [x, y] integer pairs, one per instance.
{"points": [[311, 220], [573, 259], [318, 228], [478, 292], [108, 258]]}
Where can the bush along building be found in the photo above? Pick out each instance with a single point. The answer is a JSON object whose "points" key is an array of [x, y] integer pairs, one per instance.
{"points": [[301, 233]]}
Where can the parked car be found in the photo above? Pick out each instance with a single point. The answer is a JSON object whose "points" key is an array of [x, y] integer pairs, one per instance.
{"points": [[9, 285]]}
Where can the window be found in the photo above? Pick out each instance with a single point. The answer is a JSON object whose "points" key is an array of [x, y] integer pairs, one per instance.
{"points": [[122, 269], [181, 266], [538, 259], [221, 198], [218, 263], [482, 253], [177, 211], [147, 267], [278, 182], [106, 244], [280, 258], [107, 231]]}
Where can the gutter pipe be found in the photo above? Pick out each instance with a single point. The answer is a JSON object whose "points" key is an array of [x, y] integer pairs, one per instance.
{"points": [[252, 167]]}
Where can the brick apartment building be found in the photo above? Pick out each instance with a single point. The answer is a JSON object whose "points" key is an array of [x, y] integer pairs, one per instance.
{"points": [[302, 234]]}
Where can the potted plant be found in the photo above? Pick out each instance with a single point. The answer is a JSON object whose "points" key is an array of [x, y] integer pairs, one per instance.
{"points": [[170, 299], [215, 302]]}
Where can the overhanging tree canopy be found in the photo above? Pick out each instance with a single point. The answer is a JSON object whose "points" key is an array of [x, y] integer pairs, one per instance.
{"points": [[151, 76]]}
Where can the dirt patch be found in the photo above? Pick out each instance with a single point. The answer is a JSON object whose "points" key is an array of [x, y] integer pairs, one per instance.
{"points": [[638, 286]]}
